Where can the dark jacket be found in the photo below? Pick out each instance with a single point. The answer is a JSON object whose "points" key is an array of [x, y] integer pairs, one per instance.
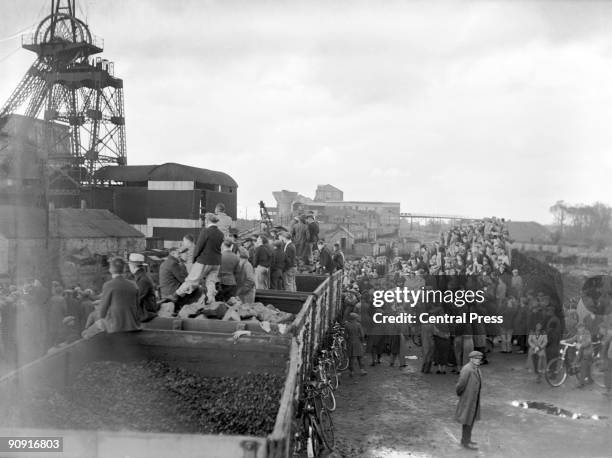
{"points": [[171, 274], [147, 303], [326, 260], [208, 247], [290, 255], [119, 305], [313, 232], [262, 257], [278, 259], [338, 258], [229, 268]]}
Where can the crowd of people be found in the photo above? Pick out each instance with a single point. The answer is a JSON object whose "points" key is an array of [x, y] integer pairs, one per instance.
{"points": [[474, 256], [216, 266]]}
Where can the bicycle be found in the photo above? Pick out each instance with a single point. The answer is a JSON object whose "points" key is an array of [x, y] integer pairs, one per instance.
{"points": [[560, 367], [317, 432], [326, 384], [339, 351]]}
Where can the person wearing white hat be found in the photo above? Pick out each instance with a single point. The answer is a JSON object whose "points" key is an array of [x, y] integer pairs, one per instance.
{"points": [[147, 303]]}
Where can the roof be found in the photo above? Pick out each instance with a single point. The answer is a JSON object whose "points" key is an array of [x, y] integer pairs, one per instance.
{"points": [[528, 231], [327, 187], [30, 222], [169, 171], [341, 229]]}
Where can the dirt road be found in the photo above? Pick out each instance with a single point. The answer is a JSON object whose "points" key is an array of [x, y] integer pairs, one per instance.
{"points": [[392, 413]]}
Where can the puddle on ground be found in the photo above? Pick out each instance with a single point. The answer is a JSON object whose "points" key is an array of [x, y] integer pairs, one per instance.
{"points": [[552, 409]]}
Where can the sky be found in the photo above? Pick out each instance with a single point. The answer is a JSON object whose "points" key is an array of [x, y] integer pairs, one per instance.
{"points": [[461, 108]]}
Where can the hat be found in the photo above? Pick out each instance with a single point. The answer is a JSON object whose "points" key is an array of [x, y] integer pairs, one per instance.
{"points": [[475, 354], [211, 217], [353, 316], [136, 258]]}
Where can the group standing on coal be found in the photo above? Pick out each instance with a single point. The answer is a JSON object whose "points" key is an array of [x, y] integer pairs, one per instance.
{"points": [[215, 275]]}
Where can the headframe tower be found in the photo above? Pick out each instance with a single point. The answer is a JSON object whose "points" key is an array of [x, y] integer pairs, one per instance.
{"points": [[67, 86]]}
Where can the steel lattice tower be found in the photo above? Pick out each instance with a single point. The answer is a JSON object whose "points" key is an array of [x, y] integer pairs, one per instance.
{"points": [[66, 86]]}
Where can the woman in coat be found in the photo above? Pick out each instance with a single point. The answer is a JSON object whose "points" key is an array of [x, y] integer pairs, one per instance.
{"points": [[354, 342]]}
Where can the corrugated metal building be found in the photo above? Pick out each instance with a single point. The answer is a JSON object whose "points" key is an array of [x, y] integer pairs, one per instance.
{"points": [[23, 238], [163, 201]]}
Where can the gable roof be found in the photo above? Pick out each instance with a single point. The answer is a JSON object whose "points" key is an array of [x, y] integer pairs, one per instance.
{"points": [[340, 229], [169, 171], [30, 223]]}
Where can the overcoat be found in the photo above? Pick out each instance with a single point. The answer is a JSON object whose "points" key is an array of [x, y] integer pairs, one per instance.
{"points": [[468, 390], [119, 305]]}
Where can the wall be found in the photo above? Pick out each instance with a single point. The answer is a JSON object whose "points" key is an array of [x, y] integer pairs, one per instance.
{"points": [[336, 238], [114, 245], [26, 258]]}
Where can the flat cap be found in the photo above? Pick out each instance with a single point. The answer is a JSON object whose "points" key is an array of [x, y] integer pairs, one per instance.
{"points": [[475, 354]]}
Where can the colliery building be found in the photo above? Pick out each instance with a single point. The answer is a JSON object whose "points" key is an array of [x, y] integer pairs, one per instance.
{"points": [[165, 202], [347, 220]]}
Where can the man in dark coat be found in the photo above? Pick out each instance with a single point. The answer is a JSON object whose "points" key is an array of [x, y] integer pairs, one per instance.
{"points": [[278, 265], [301, 237], [326, 260], [338, 257], [119, 301], [230, 265], [468, 390], [290, 269], [147, 303], [206, 260], [313, 236], [171, 274]]}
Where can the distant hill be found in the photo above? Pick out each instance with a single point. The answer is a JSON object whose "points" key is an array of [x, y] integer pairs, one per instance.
{"points": [[528, 232]]}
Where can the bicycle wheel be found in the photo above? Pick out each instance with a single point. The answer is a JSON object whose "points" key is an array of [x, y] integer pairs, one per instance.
{"points": [[316, 442], [598, 371], [556, 372], [343, 360], [332, 375], [329, 400], [326, 429]]}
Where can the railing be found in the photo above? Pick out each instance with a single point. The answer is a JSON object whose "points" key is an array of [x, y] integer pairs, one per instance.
{"points": [[31, 39]]}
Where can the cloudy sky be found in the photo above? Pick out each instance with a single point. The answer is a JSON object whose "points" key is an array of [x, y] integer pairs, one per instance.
{"points": [[463, 108]]}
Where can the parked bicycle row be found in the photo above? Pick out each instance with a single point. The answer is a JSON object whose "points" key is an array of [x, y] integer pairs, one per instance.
{"points": [[316, 428]]}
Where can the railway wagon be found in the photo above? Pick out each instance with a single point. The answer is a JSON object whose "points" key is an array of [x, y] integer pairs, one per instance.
{"points": [[205, 352]]}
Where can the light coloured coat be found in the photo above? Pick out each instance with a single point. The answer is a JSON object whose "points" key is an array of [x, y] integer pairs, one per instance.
{"points": [[468, 390]]}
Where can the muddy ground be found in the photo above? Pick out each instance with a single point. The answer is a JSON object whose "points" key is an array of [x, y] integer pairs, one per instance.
{"points": [[392, 413]]}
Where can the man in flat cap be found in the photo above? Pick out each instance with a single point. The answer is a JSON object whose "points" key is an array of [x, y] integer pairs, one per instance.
{"points": [[468, 390], [119, 301]]}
